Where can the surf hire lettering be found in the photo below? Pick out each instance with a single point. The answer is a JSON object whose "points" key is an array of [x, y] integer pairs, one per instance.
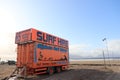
{"points": [[47, 38]]}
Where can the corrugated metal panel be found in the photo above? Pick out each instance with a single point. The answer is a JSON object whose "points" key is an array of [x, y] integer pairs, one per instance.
{"points": [[25, 54]]}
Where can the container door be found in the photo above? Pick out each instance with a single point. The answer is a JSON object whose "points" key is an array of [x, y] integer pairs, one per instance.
{"points": [[25, 54]]}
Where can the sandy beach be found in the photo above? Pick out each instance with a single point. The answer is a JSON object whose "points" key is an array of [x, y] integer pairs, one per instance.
{"points": [[78, 70]]}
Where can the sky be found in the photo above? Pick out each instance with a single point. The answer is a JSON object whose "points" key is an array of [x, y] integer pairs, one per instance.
{"points": [[84, 23]]}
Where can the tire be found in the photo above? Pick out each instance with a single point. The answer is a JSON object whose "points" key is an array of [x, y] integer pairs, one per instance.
{"points": [[58, 69], [50, 70]]}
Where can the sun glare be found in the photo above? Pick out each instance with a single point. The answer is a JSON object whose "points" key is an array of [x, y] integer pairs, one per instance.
{"points": [[7, 21], [7, 26]]}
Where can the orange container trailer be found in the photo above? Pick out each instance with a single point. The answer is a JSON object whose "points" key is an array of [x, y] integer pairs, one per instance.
{"points": [[40, 52]]}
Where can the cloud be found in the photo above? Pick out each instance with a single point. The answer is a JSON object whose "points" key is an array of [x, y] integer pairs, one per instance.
{"points": [[7, 34], [86, 50], [7, 46], [77, 49], [114, 45], [114, 48]]}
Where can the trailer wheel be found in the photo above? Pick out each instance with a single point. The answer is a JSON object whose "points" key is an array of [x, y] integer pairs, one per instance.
{"points": [[58, 69], [50, 70]]}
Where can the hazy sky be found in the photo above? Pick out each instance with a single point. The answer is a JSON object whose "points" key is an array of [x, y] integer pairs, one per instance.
{"points": [[83, 22]]}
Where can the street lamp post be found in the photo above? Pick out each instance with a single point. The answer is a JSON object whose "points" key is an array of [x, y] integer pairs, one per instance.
{"points": [[104, 59], [105, 39]]}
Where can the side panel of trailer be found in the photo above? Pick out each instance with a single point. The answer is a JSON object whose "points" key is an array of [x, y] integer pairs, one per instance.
{"points": [[38, 51]]}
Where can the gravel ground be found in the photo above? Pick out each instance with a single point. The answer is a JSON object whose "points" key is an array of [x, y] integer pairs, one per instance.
{"points": [[75, 72]]}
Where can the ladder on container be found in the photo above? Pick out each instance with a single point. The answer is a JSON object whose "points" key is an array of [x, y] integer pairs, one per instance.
{"points": [[17, 74]]}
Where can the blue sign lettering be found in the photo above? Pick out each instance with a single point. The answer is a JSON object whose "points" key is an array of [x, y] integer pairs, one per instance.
{"points": [[42, 46]]}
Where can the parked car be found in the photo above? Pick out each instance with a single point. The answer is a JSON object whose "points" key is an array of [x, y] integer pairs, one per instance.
{"points": [[11, 62]]}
